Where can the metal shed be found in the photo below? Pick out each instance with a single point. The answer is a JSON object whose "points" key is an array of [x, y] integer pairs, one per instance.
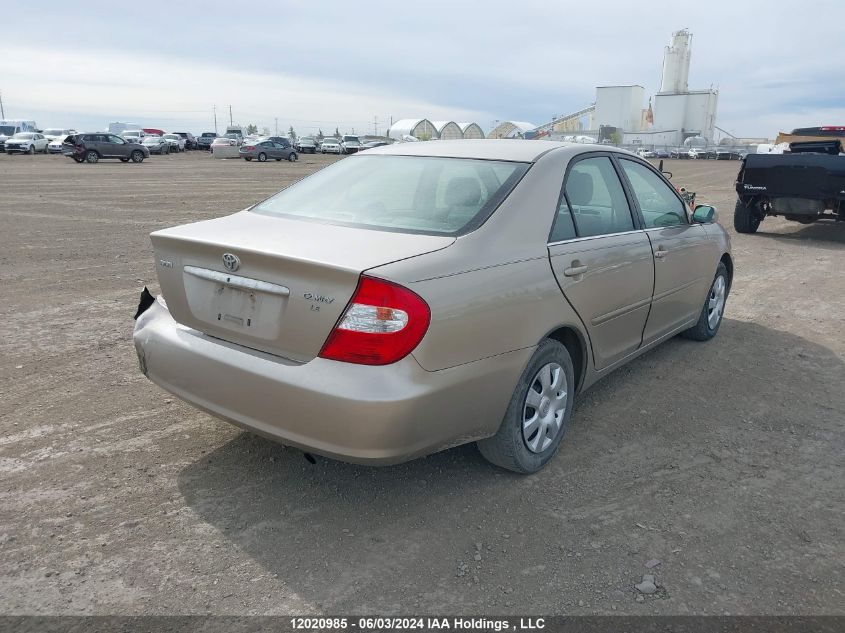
{"points": [[423, 129], [471, 130], [511, 129], [447, 130]]}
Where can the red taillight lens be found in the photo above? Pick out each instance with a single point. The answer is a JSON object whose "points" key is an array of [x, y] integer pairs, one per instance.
{"points": [[249, 148], [382, 324]]}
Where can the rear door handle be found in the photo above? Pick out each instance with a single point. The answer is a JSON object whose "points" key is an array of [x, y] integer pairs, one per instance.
{"points": [[574, 271], [661, 252]]}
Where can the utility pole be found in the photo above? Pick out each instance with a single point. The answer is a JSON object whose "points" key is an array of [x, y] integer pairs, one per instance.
{"points": [[277, 127], [375, 126], [231, 122], [2, 111], [215, 119]]}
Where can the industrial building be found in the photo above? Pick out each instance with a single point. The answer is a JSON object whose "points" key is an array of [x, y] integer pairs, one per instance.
{"points": [[671, 116], [425, 130]]}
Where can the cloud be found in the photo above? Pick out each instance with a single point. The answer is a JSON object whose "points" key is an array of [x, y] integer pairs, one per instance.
{"points": [[351, 61]]}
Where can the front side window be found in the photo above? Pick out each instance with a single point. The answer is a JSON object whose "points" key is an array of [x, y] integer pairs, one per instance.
{"points": [[411, 194], [116, 140], [658, 203], [597, 199]]}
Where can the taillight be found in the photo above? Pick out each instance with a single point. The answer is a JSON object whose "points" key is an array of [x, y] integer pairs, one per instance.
{"points": [[249, 148], [833, 128], [382, 324]]}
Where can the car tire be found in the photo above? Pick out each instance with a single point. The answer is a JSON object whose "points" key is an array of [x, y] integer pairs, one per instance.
{"points": [[91, 156], [31, 150], [278, 160], [746, 218], [713, 310], [516, 445], [262, 157], [292, 157], [77, 159], [247, 158], [124, 160], [137, 156]]}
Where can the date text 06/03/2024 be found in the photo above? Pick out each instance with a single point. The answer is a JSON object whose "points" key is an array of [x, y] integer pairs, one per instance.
{"points": [[417, 623]]}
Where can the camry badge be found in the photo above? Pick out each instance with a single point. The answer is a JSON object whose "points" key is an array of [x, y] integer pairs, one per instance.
{"points": [[231, 262]]}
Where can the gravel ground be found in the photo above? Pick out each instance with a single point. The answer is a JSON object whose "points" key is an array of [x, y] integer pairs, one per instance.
{"points": [[717, 468]]}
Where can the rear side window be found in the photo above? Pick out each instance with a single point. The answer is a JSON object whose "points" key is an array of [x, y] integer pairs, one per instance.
{"points": [[596, 197], [411, 194]]}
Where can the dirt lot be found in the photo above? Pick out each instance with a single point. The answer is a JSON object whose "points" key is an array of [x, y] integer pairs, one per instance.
{"points": [[723, 461]]}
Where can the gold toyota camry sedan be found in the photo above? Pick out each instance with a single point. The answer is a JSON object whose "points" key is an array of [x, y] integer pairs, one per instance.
{"points": [[418, 296]]}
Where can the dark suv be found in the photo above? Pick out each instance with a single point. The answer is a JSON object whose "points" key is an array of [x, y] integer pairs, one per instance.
{"points": [[190, 139], [205, 140], [92, 147]]}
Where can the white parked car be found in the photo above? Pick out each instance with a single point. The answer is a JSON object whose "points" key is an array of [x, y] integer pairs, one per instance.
{"points": [[134, 136], [55, 146], [53, 133], [26, 143], [642, 152], [331, 146], [177, 143]]}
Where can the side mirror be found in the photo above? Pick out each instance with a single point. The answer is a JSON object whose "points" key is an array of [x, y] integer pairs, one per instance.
{"points": [[704, 214], [668, 174]]}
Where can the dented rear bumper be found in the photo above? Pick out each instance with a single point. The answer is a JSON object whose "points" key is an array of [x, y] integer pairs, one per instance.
{"points": [[364, 414]]}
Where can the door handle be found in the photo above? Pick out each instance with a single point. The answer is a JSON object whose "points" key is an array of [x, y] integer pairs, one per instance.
{"points": [[661, 252], [574, 271]]}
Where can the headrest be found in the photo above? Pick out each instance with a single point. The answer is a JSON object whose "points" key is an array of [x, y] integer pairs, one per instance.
{"points": [[579, 188], [462, 192]]}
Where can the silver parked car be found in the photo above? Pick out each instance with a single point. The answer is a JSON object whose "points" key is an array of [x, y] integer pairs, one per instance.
{"points": [[424, 295], [261, 150], [156, 144]]}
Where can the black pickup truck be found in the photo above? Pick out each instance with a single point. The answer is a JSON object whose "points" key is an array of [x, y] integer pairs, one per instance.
{"points": [[804, 185]]}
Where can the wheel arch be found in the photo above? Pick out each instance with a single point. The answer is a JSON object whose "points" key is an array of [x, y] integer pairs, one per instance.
{"points": [[728, 261], [576, 344]]}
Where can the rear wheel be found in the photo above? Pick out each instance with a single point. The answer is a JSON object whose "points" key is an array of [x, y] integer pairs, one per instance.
{"points": [[714, 308], [262, 157], [538, 413], [746, 218], [91, 156]]}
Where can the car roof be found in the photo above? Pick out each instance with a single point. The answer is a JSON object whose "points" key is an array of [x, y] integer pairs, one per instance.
{"points": [[486, 149]]}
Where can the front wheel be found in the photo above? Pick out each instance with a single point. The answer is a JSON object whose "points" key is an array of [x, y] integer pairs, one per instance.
{"points": [[292, 158], [31, 150], [746, 218], [137, 156], [538, 413], [714, 308]]}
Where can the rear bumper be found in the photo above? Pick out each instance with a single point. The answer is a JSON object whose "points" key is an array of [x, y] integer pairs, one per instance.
{"points": [[356, 413]]}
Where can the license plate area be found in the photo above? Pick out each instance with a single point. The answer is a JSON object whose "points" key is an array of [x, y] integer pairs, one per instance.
{"points": [[239, 305]]}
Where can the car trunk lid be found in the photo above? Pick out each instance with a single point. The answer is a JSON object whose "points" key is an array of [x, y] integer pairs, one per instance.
{"points": [[286, 283]]}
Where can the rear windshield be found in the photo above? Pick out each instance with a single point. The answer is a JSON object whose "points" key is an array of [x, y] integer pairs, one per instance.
{"points": [[407, 194]]}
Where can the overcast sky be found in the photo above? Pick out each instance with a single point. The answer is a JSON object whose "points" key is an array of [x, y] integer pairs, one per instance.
{"points": [[778, 64]]}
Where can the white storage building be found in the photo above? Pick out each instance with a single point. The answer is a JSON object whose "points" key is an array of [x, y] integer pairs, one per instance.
{"points": [[511, 129], [447, 130], [471, 130], [423, 129]]}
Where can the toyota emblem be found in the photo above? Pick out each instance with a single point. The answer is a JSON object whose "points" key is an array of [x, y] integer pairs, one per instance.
{"points": [[231, 262]]}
